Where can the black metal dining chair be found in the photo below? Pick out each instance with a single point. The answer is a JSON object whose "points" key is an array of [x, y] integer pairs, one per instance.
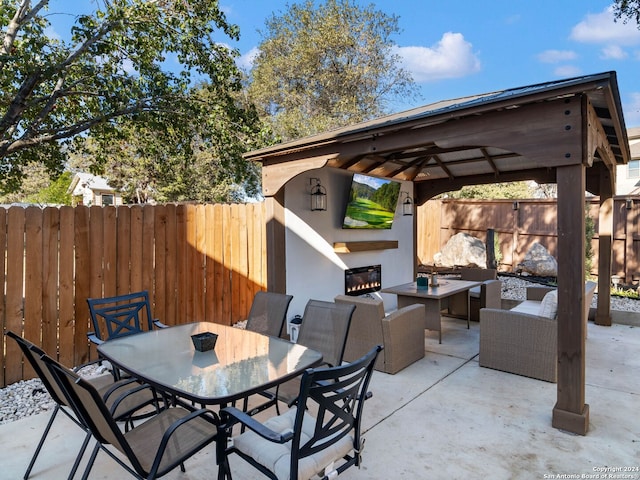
{"points": [[268, 313], [154, 447], [320, 436], [114, 317], [123, 397]]}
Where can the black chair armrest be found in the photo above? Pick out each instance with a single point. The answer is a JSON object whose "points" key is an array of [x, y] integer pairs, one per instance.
{"points": [[238, 416], [157, 323], [94, 338]]}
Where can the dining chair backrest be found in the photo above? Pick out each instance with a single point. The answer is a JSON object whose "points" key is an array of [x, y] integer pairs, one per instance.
{"points": [[114, 317], [33, 355], [337, 395], [325, 326], [268, 313]]}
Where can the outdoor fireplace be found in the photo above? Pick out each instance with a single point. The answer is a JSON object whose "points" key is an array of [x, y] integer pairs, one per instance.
{"points": [[361, 280]]}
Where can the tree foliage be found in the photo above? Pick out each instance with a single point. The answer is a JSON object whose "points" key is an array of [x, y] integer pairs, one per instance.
{"points": [[129, 68], [509, 190], [626, 10], [327, 66]]}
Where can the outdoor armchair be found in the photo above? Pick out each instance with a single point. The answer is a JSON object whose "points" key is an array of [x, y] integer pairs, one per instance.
{"points": [[401, 333], [124, 397], [523, 340], [152, 448], [321, 435]]}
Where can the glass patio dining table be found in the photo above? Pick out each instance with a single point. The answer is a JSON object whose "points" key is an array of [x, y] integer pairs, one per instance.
{"points": [[242, 362]]}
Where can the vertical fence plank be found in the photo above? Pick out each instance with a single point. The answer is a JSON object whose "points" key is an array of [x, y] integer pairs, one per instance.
{"points": [[227, 273], [181, 265], [15, 290], [123, 250], [82, 284], [33, 281], [50, 286], [147, 241], [96, 250], [135, 261], [3, 252], [209, 276], [218, 232], [159, 271], [67, 292], [171, 274], [200, 251], [191, 263], [110, 258]]}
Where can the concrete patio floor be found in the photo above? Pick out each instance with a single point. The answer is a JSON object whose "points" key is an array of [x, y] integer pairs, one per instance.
{"points": [[444, 417]]}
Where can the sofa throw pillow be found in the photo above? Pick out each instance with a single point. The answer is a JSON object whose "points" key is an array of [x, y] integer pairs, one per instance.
{"points": [[549, 305]]}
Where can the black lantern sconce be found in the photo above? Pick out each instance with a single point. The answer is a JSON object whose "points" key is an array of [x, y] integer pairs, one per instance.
{"points": [[515, 205], [318, 196], [407, 204], [629, 203]]}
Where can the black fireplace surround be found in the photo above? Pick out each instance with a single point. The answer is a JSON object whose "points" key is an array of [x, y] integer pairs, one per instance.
{"points": [[361, 280]]}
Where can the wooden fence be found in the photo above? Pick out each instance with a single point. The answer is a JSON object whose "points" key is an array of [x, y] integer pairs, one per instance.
{"points": [[198, 262], [519, 224]]}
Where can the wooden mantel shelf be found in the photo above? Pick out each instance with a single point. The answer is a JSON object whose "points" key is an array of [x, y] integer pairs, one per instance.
{"points": [[350, 247]]}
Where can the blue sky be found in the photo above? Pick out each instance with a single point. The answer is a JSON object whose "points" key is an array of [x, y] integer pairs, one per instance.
{"points": [[466, 47]]}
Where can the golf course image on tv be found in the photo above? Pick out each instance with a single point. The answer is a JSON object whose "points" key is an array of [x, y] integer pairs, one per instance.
{"points": [[372, 202]]}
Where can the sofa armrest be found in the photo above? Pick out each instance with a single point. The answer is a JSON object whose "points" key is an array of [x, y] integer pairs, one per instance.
{"points": [[403, 332], [491, 294], [538, 293], [518, 343]]}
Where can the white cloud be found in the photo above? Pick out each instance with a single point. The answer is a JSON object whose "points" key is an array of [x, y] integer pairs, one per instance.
{"points": [[614, 52], [567, 71], [601, 28], [557, 56], [246, 61], [451, 57]]}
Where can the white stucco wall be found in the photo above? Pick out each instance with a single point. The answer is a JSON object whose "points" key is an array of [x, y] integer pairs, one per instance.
{"points": [[314, 270]]}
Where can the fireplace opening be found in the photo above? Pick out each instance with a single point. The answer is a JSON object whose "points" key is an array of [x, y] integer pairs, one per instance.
{"points": [[361, 280]]}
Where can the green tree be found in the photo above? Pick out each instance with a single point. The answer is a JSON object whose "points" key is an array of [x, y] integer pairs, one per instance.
{"points": [[627, 9], [55, 193], [327, 66], [110, 78], [509, 190]]}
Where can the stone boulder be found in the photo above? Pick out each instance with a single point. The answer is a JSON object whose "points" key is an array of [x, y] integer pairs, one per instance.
{"points": [[462, 250], [538, 261]]}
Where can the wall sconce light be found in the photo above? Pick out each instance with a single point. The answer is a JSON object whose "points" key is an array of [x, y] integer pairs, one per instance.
{"points": [[629, 204], [515, 205], [407, 204], [318, 196]]}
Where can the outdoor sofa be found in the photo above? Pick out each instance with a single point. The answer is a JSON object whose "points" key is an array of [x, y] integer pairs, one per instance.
{"points": [[523, 340], [401, 333]]}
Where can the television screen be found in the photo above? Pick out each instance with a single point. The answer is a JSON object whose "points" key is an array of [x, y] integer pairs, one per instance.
{"points": [[372, 202]]}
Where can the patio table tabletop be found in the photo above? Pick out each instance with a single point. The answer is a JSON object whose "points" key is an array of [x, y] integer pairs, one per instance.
{"points": [[242, 362]]}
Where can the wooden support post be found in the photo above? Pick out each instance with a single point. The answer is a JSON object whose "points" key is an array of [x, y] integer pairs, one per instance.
{"points": [[605, 234], [570, 412], [490, 247], [276, 243]]}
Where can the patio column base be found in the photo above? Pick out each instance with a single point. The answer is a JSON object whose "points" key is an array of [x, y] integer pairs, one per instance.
{"points": [[571, 421], [604, 320]]}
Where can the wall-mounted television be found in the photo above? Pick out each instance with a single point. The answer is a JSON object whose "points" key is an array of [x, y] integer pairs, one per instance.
{"points": [[371, 203]]}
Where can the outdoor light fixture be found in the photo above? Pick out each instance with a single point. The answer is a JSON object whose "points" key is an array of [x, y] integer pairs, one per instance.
{"points": [[515, 205], [318, 196], [407, 204], [629, 203]]}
